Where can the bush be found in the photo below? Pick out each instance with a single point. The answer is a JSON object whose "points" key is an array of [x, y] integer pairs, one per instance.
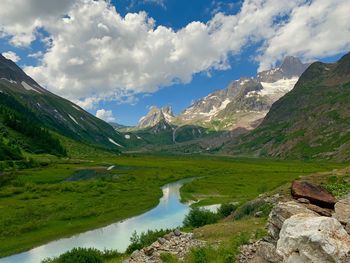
{"points": [[198, 217], [226, 252], [78, 255], [226, 209], [84, 255], [145, 239], [250, 208]]}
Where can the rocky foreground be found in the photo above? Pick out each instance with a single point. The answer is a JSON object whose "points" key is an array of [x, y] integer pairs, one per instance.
{"points": [[313, 228], [176, 243]]}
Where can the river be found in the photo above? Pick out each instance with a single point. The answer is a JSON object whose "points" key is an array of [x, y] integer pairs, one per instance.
{"points": [[169, 213]]}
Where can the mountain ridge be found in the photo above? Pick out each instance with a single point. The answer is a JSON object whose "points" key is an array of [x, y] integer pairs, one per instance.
{"points": [[311, 121], [51, 111]]}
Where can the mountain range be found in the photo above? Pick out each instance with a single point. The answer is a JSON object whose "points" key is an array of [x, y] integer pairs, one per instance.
{"points": [[310, 122], [295, 111], [24, 104], [242, 104]]}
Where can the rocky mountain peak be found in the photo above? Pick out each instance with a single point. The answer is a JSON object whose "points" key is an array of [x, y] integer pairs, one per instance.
{"points": [[292, 66], [156, 115]]}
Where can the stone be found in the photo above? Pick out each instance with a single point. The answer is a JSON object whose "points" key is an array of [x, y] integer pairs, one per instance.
{"points": [[135, 254], [161, 240], [347, 228], [306, 238], [177, 232], [169, 236], [281, 212], [303, 201], [315, 194], [267, 251], [148, 251], [258, 214], [342, 211], [319, 210]]}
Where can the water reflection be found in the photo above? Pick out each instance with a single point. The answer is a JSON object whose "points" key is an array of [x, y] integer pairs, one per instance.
{"points": [[169, 213]]}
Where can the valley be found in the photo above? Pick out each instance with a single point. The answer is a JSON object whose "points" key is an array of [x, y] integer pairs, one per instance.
{"points": [[42, 204], [65, 173]]}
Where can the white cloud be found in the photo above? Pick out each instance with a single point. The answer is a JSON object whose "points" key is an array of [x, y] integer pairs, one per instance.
{"points": [[20, 19], [36, 55], [317, 29], [95, 54], [106, 115], [11, 55]]}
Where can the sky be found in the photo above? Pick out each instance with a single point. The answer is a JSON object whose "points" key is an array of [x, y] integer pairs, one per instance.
{"points": [[117, 58]]}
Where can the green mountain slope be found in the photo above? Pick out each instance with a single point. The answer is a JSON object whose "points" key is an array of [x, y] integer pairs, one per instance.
{"points": [[311, 121], [24, 103]]}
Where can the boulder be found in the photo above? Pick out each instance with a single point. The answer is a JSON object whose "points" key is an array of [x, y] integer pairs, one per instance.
{"points": [[161, 240], [342, 211], [319, 210], [305, 238], [281, 212], [315, 194], [303, 201], [177, 232], [347, 228], [148, 251], [267, 251]]}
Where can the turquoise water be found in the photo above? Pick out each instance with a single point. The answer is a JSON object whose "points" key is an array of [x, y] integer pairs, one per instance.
{"points": [[169, 213]]}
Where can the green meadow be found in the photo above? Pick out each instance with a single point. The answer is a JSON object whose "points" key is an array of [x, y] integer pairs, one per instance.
{"points": [[68, 196]]}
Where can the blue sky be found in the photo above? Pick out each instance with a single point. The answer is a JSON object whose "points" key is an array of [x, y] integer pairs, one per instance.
{"points": [[245, 47]]}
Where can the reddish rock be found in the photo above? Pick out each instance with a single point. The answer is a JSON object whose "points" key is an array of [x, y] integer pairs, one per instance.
{"points": [[319, 210], [315, 194]]}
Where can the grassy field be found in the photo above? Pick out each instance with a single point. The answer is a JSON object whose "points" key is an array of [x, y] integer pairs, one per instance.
{"points": [[70, 196]]}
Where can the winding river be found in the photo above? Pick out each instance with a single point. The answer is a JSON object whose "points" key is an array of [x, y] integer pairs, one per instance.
{"points": [[169, 213]]}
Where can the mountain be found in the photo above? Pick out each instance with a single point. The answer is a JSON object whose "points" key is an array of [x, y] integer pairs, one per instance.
{"points": [[311, 121], [24, 102], [156, 115], [245, 102]]}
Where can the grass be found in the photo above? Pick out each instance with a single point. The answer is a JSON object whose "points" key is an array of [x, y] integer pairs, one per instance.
{"points": [[38, 205]]}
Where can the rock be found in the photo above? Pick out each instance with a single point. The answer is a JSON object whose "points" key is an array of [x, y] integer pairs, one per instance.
{"points": [[303, 201], [258, 214], [314, 193], [267, 251], [176, 245], [305, 238], [177, 232], [281, 212], [161, 240], [135, 254], [319, 210], [259, 252], [342, 211], [347, 228], [148, 251], [169, 236]]}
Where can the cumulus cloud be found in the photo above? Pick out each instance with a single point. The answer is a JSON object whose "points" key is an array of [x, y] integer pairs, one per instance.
{"points": [[20, 19], [96, 54], [317, 29], [11, 55], [106, 115]]}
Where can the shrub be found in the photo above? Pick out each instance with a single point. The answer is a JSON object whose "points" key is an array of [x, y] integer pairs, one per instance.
{"points": [[199, 217], [250, 208], [226, 252], [84, 255], [145, 239], [226, 209], [78, 255]]}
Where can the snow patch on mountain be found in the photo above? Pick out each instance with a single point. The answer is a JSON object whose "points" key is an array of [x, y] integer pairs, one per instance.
{"points": [[28, 87], [114, 142], [73, 119]]}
